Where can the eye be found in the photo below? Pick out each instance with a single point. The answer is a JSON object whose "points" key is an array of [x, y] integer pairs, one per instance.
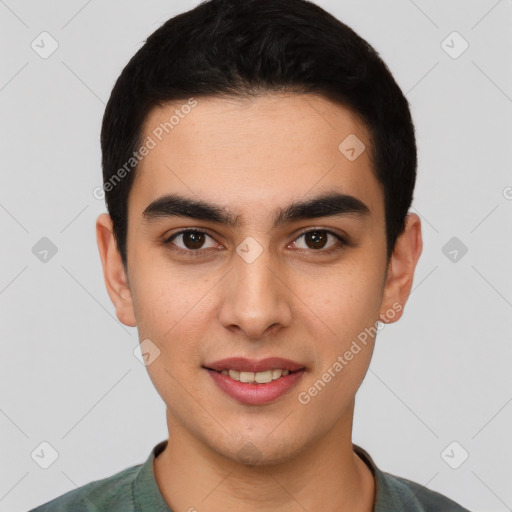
{"points": [[320, 240], [190, 241], [193, 242]]}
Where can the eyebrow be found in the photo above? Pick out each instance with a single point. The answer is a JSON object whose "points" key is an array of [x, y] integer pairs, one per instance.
{"points": [[326, 205]]}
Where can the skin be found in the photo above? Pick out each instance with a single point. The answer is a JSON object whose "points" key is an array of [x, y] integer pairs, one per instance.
{"points": [[293, 301]]}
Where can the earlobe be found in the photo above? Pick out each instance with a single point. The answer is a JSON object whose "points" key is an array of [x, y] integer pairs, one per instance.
{"points": [[116, 280], [401, 269]]}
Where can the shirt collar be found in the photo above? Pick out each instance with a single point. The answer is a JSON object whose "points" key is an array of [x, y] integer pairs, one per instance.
{"points": [[147, 495], [390, 494]]}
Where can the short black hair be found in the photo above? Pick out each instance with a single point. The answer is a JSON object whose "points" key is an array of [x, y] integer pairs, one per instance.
{"points": [[250, 47]]}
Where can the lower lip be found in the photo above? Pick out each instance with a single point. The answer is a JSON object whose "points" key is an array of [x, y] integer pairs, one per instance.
{"points": [[256, 394]]}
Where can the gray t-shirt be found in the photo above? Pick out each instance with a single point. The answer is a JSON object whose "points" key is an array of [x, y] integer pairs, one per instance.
{"points": [[135, 490]]}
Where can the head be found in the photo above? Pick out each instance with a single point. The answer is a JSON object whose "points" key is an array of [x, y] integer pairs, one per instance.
{"points": [[252, 122]]}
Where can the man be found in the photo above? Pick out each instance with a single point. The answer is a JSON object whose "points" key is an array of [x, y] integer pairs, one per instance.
{"points": [[259, 162]]}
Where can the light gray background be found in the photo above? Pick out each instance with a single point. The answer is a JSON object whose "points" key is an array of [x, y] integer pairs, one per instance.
{"points": [[441, 374]]}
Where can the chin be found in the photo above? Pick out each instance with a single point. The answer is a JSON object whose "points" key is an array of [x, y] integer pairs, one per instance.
{"points": [[259, 451]]}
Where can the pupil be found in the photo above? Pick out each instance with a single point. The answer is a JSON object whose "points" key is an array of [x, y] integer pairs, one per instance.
{"points": [[318, 239], [193, 240]]}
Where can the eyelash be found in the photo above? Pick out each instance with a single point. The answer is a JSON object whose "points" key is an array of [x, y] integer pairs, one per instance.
{"points": [[198, 252]]}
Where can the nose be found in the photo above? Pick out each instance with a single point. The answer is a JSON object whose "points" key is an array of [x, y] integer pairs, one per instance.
{"points": [[256, 298]]}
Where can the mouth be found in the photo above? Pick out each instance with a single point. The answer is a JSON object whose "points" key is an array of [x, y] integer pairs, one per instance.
{"points": [[255, 382], [256, 371], [263, 377]]}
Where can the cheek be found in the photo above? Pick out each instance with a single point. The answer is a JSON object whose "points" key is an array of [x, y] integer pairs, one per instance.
{"points": [[346, 300], [348, 309], [164, 298], [173, 311], [170, 317]]}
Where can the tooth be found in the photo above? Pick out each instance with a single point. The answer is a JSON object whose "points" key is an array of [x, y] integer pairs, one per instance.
{"points": [[276, 373], [246, 376], [263, 377], [234, 374], [258, 377]]}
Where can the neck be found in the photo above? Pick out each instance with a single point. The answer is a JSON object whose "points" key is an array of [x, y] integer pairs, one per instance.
{"points": [[326, 475]]}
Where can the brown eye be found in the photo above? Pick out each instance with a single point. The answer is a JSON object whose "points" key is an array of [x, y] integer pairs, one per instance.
{"points": [[319, 240], [315, 239], [190, 240], [193, 239]]}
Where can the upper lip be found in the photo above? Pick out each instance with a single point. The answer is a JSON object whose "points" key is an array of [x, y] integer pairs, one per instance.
{"points": [[252, 365]]}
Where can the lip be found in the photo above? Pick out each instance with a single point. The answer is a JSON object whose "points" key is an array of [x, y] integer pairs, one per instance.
{"points": [[256, 394], [251, 365]]}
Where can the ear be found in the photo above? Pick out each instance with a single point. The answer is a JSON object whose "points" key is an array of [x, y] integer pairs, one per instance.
{"points": [[401, 270], [114, 273]]}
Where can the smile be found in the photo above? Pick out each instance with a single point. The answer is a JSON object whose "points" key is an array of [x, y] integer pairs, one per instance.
{"points": [[263, 377]]}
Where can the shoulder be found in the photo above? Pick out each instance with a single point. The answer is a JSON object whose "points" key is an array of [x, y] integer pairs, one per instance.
{"points": [[414, 497], [113, 493]]}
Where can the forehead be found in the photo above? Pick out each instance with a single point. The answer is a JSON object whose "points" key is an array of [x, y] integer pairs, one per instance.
{"points": [[255, 153]]}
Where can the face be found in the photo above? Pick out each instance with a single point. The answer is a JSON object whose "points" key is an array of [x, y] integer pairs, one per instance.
{"points": [[272, 246]]}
